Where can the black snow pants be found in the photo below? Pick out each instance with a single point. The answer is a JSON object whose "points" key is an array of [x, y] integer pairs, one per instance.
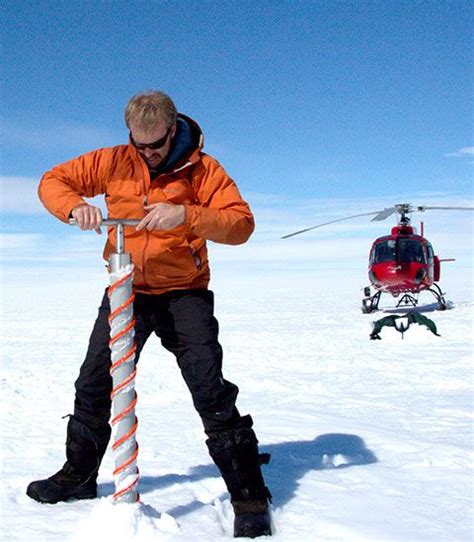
{"points": [[184, 321]]}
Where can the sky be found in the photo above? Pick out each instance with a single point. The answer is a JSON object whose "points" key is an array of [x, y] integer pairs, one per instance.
{"points": [[317, 109]]}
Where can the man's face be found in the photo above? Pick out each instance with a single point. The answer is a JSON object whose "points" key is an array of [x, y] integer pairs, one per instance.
{"points": [[159, 135]]}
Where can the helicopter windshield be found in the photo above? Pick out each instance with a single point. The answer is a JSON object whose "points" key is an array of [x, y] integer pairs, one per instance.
{"points": [[384, 251], [411, 250]]}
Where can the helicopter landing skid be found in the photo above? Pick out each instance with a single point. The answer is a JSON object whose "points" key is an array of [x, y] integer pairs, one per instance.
{"points": [[408, 299], [371, 304], [436, 291]]}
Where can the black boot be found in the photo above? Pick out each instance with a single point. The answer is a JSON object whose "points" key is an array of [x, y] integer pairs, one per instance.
{"points": [[252, 519], [235, 452], [78, 477], [65, 484]]}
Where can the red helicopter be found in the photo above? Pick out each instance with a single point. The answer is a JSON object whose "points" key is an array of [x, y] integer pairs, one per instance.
{"points": [[402, 263]]}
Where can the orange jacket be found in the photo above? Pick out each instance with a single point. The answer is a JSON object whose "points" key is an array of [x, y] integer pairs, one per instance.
{"points": [[164, 259]]}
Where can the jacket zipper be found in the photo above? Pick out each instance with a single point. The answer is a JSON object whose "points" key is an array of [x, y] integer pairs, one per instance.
{"points": [[147, 233]]}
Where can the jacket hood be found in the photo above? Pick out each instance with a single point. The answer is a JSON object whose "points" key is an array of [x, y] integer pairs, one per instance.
{"points": [[186, 147]]}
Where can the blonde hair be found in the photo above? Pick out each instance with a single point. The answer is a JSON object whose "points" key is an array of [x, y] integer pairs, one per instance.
{"points": [[149, 108]]}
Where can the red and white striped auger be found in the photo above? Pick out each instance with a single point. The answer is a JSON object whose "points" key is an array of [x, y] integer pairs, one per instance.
{"points": [[123, 348]]}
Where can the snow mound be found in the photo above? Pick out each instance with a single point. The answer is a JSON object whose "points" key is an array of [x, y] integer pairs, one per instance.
{"points": [[123, 522]]}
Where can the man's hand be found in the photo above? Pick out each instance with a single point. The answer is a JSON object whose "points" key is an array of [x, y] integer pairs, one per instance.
{"points": [[162, 216], [88, 217]]}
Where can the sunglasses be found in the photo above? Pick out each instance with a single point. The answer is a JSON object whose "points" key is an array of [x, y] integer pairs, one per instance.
{"points": [[153, 145]]}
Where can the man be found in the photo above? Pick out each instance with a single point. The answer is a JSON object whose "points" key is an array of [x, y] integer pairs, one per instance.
{"points": [[184, 198]]}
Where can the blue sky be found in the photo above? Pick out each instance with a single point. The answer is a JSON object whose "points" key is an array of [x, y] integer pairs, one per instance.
{"points": [[301, 101]]}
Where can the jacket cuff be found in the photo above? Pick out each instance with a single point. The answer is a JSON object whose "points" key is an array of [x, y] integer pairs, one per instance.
{"points": [[189, 214], [71, 208]]}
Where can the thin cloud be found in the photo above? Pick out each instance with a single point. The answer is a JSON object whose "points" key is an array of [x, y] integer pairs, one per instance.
{"points": [[82, 248], [19, 195], [56, 135], [19, 241], [464, 152]]}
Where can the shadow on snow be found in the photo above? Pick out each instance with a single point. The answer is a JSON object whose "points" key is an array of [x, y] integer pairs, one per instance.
{"points": [[290, 462]]}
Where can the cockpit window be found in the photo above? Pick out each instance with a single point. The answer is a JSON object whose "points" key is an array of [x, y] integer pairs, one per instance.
{"points": [[401, 250], [384, 251], [411, 250], [430, 251]]}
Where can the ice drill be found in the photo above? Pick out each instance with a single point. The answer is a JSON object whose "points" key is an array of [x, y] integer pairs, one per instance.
{"points": [[123, 371]]}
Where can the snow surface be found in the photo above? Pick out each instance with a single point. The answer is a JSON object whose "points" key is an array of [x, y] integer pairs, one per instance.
{"points": [[370, 440]]}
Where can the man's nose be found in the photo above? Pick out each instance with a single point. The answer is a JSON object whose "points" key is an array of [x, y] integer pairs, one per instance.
{"points": [[148, 152]]}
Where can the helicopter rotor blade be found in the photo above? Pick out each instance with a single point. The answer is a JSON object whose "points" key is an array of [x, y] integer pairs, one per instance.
{"points": [[326, 223], [382, 215], [425, 208]]}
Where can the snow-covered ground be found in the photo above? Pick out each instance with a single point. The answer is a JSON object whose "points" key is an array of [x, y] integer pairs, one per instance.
{"points": [[370, 440]]}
